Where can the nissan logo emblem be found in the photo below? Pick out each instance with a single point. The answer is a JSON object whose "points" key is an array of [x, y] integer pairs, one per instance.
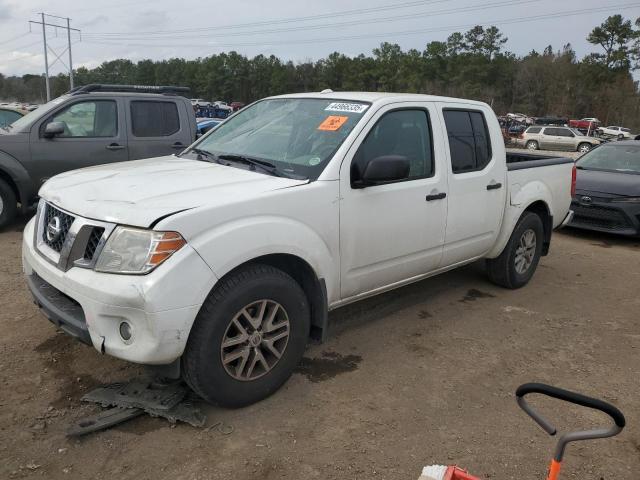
{"points": [[53, 229], [586, 200]]}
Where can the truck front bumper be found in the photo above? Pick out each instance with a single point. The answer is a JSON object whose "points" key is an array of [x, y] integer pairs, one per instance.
{"points": [[159, 307]]}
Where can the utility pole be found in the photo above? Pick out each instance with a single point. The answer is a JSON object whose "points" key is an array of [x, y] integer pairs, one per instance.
{"points": [[46, 59], [47, 48]]}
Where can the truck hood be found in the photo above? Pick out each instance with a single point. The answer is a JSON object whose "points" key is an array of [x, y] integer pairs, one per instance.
{"points": [[608, 183], [139, 192]]}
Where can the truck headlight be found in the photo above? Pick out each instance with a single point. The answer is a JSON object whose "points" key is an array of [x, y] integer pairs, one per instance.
{"points": [[137, 251]]}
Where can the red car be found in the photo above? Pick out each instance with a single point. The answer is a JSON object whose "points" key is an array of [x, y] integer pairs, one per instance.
{"points": [[585, 123], [236, 106]]}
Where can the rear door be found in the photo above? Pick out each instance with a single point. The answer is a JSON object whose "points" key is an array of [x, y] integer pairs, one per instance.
{"points": [[94, 134], [155, 127], [395, 231], [477, 182]]}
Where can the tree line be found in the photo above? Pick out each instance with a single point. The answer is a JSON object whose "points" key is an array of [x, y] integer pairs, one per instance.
{"points": [[473, 64]]}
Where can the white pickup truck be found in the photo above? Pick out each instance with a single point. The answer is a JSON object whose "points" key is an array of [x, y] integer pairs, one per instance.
{"points": [[224, 260]]}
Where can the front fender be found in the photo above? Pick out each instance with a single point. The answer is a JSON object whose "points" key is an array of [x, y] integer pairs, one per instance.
{"points": [[520, 198], [10, 166], [236, 242]]}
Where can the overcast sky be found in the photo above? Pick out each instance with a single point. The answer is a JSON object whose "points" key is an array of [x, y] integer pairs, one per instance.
{"points": [[297, 30]]}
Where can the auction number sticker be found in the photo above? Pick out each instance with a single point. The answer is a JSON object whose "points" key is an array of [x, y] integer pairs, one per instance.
{"points": [[347, 107], [332, 123]]}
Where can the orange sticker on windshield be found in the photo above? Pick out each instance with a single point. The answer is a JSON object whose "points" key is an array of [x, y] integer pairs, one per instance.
{"points": [[333, 123]]}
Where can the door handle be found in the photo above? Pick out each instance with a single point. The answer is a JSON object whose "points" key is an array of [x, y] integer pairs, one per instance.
{"points": [[178, 145], [494, 186], [435, 196], [115, 146]]}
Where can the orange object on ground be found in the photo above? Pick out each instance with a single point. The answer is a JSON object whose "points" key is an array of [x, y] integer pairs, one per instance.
{"points": [[554, 470], [455, 473]]}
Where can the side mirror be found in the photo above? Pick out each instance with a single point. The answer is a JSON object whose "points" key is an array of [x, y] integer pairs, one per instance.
{"points": [[54, 128], [385, 169]]}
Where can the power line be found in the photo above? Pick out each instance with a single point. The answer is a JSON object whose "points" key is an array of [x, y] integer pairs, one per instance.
{"points": [[509, 21], [433, 13], [14, 38], [357, 11]]}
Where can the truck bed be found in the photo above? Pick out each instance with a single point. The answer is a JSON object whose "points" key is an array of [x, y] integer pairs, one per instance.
{"points": [[518, 161]]}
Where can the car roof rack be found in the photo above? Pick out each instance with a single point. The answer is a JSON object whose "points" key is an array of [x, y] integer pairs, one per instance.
{"points": [[100, 87]]}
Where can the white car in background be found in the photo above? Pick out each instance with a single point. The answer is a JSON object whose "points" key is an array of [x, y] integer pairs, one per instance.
{"points": [[618, 132], [222, 105], [200, 102]]}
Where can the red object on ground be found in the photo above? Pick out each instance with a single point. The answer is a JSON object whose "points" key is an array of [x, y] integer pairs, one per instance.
{"points": [[455, 473]]}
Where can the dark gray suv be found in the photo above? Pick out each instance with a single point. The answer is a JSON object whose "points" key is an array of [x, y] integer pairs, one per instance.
{"points": [[90, 125]]}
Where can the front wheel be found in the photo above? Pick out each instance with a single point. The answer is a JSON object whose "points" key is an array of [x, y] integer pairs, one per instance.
{"points": [[518, 261], [584, 147], [248, 337], [621, 137], [8, 204], [532, 145]]}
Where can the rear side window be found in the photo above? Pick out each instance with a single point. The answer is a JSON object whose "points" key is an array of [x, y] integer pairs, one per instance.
{"points": [[469, 142], [534, 130], [556, 132], [154, 119]]}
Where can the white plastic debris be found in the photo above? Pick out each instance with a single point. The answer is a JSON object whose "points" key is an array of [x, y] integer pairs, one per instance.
{"points": [[434, 472]]}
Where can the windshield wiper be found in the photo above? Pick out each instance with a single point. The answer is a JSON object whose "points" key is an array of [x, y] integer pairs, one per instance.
{"points": [[263, 164], [204, 153]]}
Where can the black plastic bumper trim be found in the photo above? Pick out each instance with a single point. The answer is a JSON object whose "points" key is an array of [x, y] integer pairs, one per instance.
{"points": [[61, 310]]}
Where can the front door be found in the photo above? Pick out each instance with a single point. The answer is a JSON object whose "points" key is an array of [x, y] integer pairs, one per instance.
{"points": [[395, 231], [93, 134], [477, 185]]}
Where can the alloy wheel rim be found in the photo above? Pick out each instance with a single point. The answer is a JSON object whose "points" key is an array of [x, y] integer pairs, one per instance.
{"points": [[255, 340], [531, 146], [584, 149], [525, 252]]}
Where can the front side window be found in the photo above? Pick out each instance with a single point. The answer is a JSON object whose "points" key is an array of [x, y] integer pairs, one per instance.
{"points": [[402, 132], [154, 119], [469, 143], [297, 135], [563, 132], [97, 118]]}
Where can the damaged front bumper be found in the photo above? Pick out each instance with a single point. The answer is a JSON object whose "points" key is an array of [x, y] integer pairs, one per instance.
{"points": [[159, 308]]}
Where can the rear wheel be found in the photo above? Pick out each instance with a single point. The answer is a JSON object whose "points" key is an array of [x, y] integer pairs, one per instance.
{"points": [[621, 137], [532, 145], [8, 204], [584, 147], [518, 261], [248, 337]]}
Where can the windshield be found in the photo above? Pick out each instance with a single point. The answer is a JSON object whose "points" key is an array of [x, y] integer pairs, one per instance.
{"points": [[297, 135], [614, 158], [42, 110], [577, 132]]}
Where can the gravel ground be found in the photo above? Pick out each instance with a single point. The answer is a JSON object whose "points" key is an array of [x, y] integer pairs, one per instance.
{"points": [[421, 375]]}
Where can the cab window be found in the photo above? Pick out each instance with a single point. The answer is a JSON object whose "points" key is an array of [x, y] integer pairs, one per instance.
{"points": [[97, 118]]}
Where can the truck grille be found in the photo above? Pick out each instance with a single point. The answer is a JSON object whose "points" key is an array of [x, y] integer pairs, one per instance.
{"points": [[599, 217], [67, 240], [56, 227], [92, 243]]}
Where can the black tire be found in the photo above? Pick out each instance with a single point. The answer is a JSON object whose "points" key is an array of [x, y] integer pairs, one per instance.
{"points": [[584, 147], [620, 137], [532, 145], [8, 204], [502, 270], [202, 365]]}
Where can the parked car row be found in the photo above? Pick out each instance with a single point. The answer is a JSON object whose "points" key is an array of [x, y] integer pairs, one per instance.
{"points": [[201, 103]]}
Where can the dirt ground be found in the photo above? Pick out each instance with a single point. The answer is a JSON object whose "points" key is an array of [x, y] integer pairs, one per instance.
{"points": [[422, 375]]}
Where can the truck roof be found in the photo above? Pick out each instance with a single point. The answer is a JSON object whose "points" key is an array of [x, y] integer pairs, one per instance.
{"points": [[379, 97]]}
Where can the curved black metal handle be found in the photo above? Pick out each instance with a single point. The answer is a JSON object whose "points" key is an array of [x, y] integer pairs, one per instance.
{"points": [[577, 399], [435, 196], [494, 186]]}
